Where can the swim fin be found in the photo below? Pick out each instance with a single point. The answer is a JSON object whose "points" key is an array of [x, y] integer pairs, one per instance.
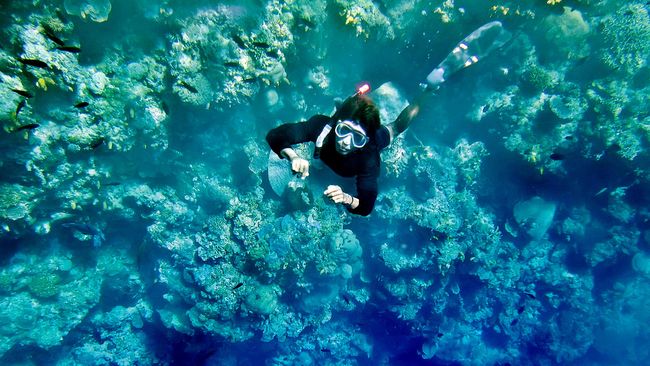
{"points": [[467, 52], [280, 174]]}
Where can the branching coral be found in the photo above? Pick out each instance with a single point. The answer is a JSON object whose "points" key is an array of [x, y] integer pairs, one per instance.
{"points": [[16, 201], [624, 130], [626, 38], [44, 285], [238, 64], [365, 17], [536, 79]]}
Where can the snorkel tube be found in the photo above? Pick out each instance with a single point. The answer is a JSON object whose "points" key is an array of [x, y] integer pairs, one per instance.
{"points": [[362, 89]]}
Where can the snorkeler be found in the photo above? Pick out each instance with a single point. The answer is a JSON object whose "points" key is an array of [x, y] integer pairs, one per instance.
{"points": [[349, 142]]}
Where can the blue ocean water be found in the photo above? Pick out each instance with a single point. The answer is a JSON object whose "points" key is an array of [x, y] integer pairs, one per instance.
{"points": [[139, 224]]}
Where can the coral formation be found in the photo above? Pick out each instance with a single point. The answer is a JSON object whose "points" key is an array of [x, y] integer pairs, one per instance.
{"points": [[96, 10], [139, 225], [626, 36]]}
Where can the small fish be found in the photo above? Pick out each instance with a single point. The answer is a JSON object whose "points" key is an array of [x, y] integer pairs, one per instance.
{"points": [[97, 143], [240, 42], [24, 93], [346, 299], [514, 322], [581, 61], [27, 127], [569, 138], [603, 190], [238, 286], [50, 34], [81, 105], [273, 54], [532, 296], [111, 184], [87, 229], [261, 44], [231, 64], [71, 49], [188, 87], [305, 23], [440, 335], [20, 106], [520, 309], [250, 80], [326, 350], [34, 62], [557, 156], [165, 107], [42, 83]]}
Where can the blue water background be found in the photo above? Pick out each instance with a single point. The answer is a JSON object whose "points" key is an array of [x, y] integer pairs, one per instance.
{"points": [[200, 262]]}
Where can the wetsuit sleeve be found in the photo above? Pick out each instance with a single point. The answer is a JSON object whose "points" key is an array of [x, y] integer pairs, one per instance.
{"points": [[366, 193], [289, 134], [383, 138]]}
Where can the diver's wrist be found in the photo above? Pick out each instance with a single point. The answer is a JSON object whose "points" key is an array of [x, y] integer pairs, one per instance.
{"points": [[348, 200], [355, 203], [289, 153]]}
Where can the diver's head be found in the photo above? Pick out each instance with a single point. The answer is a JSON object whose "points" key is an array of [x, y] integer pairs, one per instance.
{"points": [[357, 119], [350, 136]]}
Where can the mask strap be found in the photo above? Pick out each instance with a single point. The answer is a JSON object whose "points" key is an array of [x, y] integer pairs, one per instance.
{"points": [[320, 139]]}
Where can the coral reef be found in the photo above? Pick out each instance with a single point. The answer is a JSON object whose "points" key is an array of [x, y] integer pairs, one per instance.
{"points": [[626, 35], [365, 17], [96, 10], [139, 225]]}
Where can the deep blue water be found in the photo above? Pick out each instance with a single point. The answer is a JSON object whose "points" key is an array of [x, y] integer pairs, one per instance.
{"points": [[139, 226]]}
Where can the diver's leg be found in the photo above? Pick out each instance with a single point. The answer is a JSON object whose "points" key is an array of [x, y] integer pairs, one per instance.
{"points": [[402, 122]]}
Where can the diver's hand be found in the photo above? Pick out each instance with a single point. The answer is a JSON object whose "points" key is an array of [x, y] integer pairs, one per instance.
{"points": [[298, 164], [336, 194]]}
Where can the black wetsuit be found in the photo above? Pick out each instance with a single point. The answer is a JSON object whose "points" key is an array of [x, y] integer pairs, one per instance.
{"points": [[364, 163]]}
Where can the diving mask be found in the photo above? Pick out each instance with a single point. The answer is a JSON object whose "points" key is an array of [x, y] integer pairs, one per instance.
{"points": [[348, 128]]}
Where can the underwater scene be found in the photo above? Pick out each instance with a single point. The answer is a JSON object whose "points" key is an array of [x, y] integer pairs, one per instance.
{"points": [[145, 220]]}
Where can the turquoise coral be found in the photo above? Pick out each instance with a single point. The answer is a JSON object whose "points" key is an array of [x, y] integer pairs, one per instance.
{"points": [[626, 36], [200, 252], [44, 285]]}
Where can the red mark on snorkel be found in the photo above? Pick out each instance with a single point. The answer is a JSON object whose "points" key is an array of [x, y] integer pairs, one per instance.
{"points": [[363, 89]]}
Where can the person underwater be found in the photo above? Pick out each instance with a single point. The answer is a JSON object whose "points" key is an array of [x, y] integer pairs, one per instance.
{"points": [[348, 142]]}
